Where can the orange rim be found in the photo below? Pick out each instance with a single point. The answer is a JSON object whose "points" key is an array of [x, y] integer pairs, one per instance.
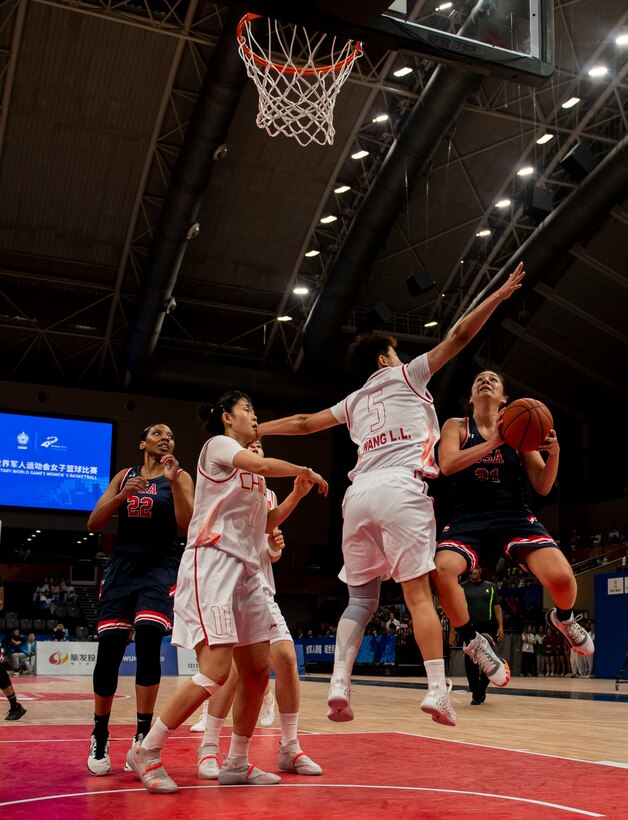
{"points": [[289, 69]]}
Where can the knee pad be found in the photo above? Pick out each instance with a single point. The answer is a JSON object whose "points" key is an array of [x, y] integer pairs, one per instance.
{"points": [[210, 686], [363, 602], [111, 646], [148, 654]]}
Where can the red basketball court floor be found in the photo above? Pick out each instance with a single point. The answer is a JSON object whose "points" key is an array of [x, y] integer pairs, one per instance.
{"points": [[366, 775]]}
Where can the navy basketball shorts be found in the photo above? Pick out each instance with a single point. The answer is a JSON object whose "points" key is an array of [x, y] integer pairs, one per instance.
{"points": [[134, 591], [482, 540]]}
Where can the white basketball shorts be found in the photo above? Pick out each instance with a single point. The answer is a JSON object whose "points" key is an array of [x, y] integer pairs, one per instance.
{"points": [[389, 529], [217, 602], [280, 631]]}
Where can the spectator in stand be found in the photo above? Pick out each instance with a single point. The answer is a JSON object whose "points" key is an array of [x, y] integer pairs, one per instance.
{"points": [[538, 651], [392, 621], [60, 632], [613, 534], [528, 663], [14, 649], [550, 648], [69, 595], [55, 591], [30, 650]]}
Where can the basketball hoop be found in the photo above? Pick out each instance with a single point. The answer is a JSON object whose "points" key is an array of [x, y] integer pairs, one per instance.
{"points": [[296, 96]]}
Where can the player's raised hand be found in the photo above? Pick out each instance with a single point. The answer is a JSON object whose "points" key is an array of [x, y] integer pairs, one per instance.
{"points": [[550, 444], [171, 466], [310, 475], [134, 485], [511, 284], [302, 486]]}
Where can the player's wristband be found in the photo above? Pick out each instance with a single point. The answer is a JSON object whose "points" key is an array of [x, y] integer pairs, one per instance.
{"points": [[273, 552]]}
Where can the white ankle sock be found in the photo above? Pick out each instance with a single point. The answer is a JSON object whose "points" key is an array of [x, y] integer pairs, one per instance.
{"points": [[288, 724], [157, 736], [239, 748], [213, 728], [435, 671]]}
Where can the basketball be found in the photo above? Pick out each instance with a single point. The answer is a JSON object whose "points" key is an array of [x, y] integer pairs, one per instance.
{"points": [[525, 423]]}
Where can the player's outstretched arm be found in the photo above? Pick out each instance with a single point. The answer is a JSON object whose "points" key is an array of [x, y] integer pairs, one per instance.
{"points": [[542, 474], [299, 425], [278, 514], [277, 468], [451, 458], [462, 333]]}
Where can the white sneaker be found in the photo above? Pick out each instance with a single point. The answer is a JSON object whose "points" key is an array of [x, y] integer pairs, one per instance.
{"points": [[146, 763], [339, 701], [98, 762], [292, 759], [481, 650], [577, 637], [436, 703], [267, 714], [246, 775], [201, 725], [208, 767]]}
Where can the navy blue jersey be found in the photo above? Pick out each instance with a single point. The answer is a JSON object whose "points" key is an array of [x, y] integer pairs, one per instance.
{"points": [[146, 521], [495, 483]]}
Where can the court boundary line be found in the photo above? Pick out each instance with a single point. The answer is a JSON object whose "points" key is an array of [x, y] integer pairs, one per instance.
{"points": [[510, 798]]}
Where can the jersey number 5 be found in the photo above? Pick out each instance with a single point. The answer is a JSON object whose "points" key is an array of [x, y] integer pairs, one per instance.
{"points": [[376, 405]]}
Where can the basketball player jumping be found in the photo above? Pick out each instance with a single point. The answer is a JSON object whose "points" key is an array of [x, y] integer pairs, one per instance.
{"points": [[389, 526], [490, 515]]}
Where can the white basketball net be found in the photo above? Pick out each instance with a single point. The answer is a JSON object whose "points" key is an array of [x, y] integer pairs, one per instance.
{"points": [[296, 100]]}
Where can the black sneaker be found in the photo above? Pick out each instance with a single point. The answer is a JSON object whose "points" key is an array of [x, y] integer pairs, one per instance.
{"points": [[16, 713]]}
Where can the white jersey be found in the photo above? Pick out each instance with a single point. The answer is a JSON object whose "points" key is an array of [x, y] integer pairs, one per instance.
{"points": [[266, 567], [230, 508], [393, 421]]}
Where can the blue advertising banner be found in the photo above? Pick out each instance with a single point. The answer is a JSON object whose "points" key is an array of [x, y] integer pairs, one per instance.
{"points": [[168, 659], [378, 649]]}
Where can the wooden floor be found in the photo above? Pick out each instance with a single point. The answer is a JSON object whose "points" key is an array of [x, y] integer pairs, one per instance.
{"points": [[584, 719]]}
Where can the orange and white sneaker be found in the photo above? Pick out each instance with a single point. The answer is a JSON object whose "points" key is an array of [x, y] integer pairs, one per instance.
{"points": [[436, 703], [481, 650], [146, 763], [339, 701]]}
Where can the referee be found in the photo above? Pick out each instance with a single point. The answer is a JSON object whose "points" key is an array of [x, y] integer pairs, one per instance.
{"points": [[486, 614]]}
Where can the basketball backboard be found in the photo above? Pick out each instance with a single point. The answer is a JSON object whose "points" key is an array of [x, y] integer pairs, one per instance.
{"points": [[510, 39]]}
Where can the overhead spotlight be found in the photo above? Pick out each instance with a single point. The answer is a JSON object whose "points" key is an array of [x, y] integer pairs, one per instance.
{"points": [[379, 315], [342, 189], [402, 72], [221, 151], [419, 283], [503, 203], [380, 118], [545, 138], [484, 232], [360, 154], [193, 231], [527, 171], [598, 71], [538, 203], [327, 219], [170, 305], [284, 318], [622, 40], [301, 290], [312, 253], [430, 324], [579, 162], [571, 102], [443, 7]]}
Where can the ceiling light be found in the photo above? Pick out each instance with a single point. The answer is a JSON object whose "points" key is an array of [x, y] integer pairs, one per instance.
{"points": [[525, 172], [401, 72], [284, 318], [622, 40], [29, 539], [381, 118], [342, 189], [598, 71], [312, 253], [327, 219], [38, 531], [545, 138], [430, 324], [571, 102], [503, 203], [484, 232], [443, 7], [301, 290], [360, 154]]}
